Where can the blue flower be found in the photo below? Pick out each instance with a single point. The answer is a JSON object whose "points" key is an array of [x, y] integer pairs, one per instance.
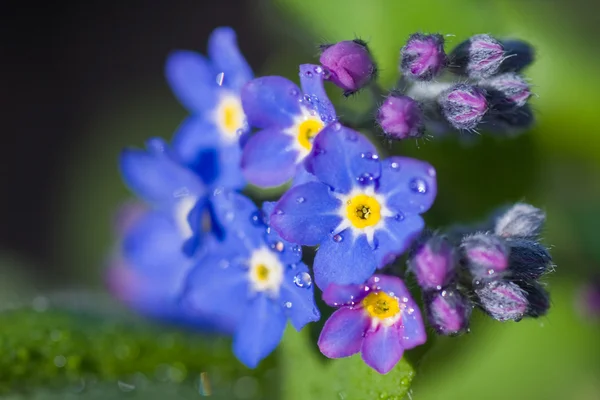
{"points": [[208, 141], [289, 120], [362, 212], [254, 277]]}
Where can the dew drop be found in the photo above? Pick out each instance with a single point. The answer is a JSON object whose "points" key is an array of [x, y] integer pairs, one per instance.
{"points": [[220, 78], [399, 217], [294, 92], [337, 238], [300, 200], [395, 166], [257, 217], [239, 132], [326, 74], [287, 304], [278, 246], [303, 280], [296, 249], [308, 74], [279, 211], [318, 69], [337, 126], [418, 185], [60, 361], [376, 279]]}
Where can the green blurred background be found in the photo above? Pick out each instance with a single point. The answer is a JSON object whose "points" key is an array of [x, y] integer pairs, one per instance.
{"points": [[85, 81]]}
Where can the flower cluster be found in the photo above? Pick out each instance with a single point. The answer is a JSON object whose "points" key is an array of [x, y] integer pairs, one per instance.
{"points": [[197, 251]]}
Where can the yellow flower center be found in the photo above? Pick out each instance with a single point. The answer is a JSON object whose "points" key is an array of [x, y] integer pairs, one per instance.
{"points": [[262, 273], [229, 118], [307, 131], [363, 211], [381, 305], [230, 115]]}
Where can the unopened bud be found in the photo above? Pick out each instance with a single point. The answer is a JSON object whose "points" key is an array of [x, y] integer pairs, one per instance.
{"points": [[521, 220], [478, 57], [588, 299], [507, 91], [528, 259], [448, 311], [503, 300], [423, 57], [517, 55], [400, 117], [509, 122], [433, 263], [463, 106], [486, 255], [349, 64], [538, 299]]}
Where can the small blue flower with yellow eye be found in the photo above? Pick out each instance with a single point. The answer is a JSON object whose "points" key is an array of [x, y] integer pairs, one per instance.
{"points": [[208, 141], [289, 119], [254, 277]]}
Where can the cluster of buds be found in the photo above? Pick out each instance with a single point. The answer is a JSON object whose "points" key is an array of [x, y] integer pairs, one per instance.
{"points": [[475, 87]]}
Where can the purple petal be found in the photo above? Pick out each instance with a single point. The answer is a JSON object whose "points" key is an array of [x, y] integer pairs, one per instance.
{"points": [[342, 334], [396, 237], [343, 259], [297, 290], [192, 80], [269, 158], [227, 58], [342, 158], [311, 80], [339, 295], [382, 349], [303, 176], [409, 185], [306, 214], [271, 102]]}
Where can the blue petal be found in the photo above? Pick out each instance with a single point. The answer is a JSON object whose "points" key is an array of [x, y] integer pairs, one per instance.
{"points": [[413, 332], [227, 58], [340, 295], [218, 285], [311, 80], [158, 179], [192, 80], [297, 291], [306, 214], [303, 176], [259, 332], [269, 158], [349, 260], [271, 102], [396, 237], [289, 253], [343, 158], [382, 349], [198, 144], [409, 185], [343, 332]]}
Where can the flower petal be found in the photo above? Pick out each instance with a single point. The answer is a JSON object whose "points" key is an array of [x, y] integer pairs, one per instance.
{"points": [[303, 176], [259, 332], [192, 80], [269, 158], [198, 144], [413, 331], [306, 214], [311, 80], [409, 185], [297, 291], [382, 349], [342, 158], [346, 260], [271, 102], [339, 295], [157, 178], [396, 237], [227, 58], [342, 334]]}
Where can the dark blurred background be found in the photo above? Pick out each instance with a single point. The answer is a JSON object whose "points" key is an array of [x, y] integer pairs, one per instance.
{"points": [[81, 80]]}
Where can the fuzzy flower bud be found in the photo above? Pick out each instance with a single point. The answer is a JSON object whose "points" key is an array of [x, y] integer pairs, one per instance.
{"points": [[514, 121], [463, 105], [448, 311], [538, 299], [400, 117], [478, 57], [588, 299], [518, 55], [528, 259], [433, 263], [503, 300], [486, 255], [423, 57], [349, 63], [521, 220], [507, 90]]}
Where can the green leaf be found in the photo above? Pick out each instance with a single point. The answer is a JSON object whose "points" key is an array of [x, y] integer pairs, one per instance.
{"points": [[307, 375]]}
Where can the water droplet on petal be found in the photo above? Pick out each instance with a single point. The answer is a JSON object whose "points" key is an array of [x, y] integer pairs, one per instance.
{"points": [[337, 238], [431, 171], [294, 92], [307, 98], [300, 200], [257, 217], [337, 126], [318, 69], [376, 279], [287, 304], [297, 249], [308, 74], [278, 246], [418, 185], [399, 217], [303, 280], [220, 78], [395, 166], [279, 211]]}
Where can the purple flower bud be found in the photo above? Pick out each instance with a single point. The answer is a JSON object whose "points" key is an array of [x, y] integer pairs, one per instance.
{"points": [[518, 55], [349, 64], [512, 122], [423, 57], [463, 105], [588, 299], [528, 259], [503, 300], [448, 311], [433, 263], [521, 220], [486, 255], [537, 297], [479, 57], [507, 90], [400, 117]]}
